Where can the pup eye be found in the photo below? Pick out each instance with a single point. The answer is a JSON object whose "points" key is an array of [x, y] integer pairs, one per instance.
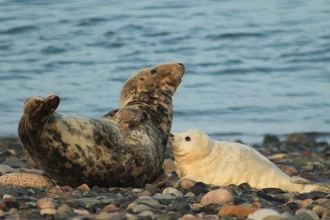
{"points": [[153, 72], [141, 79], [187, 138]]}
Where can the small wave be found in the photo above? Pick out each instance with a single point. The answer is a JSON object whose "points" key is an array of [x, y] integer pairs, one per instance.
{"points": [[53, 50], [19, 30], [234, 35], [90, 21]]}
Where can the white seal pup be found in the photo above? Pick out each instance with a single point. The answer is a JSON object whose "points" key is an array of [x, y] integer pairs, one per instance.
{"points": [[221, 163]]}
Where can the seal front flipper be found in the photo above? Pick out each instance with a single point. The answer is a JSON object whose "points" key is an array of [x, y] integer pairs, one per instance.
{"points": [[128, 118]]}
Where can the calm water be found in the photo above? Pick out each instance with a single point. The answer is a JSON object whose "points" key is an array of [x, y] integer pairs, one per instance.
{"points": [[252, 67]]}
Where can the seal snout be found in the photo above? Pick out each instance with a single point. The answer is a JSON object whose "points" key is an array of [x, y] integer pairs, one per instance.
{"points": [[171, 135]]}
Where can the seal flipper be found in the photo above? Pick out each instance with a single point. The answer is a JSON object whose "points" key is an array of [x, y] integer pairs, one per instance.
{"points": [[39, 109], [128, 118], [298, 180], [36, 112]]}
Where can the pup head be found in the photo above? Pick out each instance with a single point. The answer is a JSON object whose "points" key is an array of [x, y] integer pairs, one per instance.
{"points": [[190, 145], [155, 82]]}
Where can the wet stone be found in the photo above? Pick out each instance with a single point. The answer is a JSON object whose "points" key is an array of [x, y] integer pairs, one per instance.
{"points": [[312, 195], [270, 139], [151, 188], [238, 200], [15, 163], [164, 199], [269, 198], [197, 190], [181, 205]]}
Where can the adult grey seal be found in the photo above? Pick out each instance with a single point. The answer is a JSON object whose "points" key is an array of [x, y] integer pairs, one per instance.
{"points": [[126, 147]]}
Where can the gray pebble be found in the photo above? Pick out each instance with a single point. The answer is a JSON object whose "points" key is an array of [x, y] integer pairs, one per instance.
{"points": [[150, 202], [6, 169], [141, 208], [302, 216], [146, 214], [174, 191]]}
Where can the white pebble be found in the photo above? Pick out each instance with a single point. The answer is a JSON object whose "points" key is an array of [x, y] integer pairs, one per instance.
{"points": [[262, 213]]}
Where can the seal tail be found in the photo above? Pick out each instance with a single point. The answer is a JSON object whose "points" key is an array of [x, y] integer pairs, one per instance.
{"points": [[39, 109], [323, 187], [36, 112]]}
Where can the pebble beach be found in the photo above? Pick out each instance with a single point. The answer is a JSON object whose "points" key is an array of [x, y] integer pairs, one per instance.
{"points": [[27, 193]]}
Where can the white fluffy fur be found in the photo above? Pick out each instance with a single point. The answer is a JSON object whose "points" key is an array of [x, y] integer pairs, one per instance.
{"points": [[222, 163]]}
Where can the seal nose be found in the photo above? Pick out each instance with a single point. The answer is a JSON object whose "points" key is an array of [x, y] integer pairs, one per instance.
{"points": [[180, 64], [171, 135]]}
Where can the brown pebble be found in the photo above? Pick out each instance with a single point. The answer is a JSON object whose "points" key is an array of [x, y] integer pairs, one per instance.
{"points": [[2, 206], [31, 163], [238, 211], [256, 205], [48, 211], [110, 208], [45, 203], [144, 193], [64, 208], [320, 210], [56, 189], [218, 196], [321, 200], [291, 171], [66, 188], [81, 211], [186, 183], [12, 211], [189, 217], [25, 180], [84, 187], [305, 203]]}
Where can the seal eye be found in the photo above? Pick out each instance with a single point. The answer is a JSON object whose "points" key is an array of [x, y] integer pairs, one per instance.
{"points": [[187, 138], [141, 79], [153, 72]]}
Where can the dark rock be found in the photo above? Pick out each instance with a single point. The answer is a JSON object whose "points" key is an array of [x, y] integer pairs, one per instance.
{"points": [[114, 190], [201, 184], [293, 206], [12, 204], [239, 200], [181, 205], [151, 188], [270, 139], [296, 137], [272, 190], [6, 153], [211, 208], [96, 189], [198, 190], [269, 198], [15, 163], [312, 195], [310, 144], [244, 186]]}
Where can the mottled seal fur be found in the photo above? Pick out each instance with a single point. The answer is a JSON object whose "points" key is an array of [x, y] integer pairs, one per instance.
{"points": [[125, 147], [221, 163]]}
